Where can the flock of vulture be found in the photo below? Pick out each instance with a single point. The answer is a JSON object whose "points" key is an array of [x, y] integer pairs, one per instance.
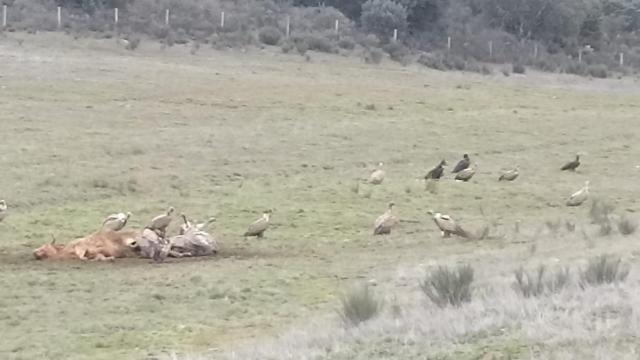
{"points": [[193, 238], [464, 172]]}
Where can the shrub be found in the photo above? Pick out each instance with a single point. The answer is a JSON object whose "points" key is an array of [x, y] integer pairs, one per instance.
{"points": [[627, 226], [270, 35], [454, 62], [600, 211], [449, 287], [287, 47], [432, 61], [575, 68], [320, 43], [359, 305], [346, 43], [536, 284], [397, 52], [598, 71], [380, 17], [373, 56], [132, 44], [518, 68], [604, 269]]}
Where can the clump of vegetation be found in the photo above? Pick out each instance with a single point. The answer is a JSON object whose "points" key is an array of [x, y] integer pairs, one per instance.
{"points": [[373, 56], [518, 68], [359, 305], [381, 17], [604, 269], [446, 286], [600, 214], [627, 226], [346, 43], [132, 44], [598, 71], [538, 283], [270, 35], [320, 44], [397, 52]]}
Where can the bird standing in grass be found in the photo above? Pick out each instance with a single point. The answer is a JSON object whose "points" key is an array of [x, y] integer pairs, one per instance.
{"points": [[3, 210], [258, 227], [466, 174], [462, 164], [580, 196], [509, 175], [116, 222], [447, 225], [571, 165], [385, 222], [436, 172], [377, 176]]}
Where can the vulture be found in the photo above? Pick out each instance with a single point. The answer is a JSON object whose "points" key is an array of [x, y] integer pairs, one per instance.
{"points": [[509, 175], [116, 222], [580, 196], [436, 172], [385, 222], [3, 210], [462, 164], [447, 225], [377, 176], [161, 222], [572, 165], [186, 224], [202, 226], [466, 174], [258, 227]]}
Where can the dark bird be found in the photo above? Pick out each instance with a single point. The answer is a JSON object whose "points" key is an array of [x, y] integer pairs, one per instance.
{"points": [[462, 164], [436, 172], [572, 165]]}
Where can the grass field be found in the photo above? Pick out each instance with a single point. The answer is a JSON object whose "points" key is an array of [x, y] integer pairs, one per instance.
{"points": [[89, 129]]}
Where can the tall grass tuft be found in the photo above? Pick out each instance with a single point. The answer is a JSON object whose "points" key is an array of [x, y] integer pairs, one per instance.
{"points": [[445, 286], [627, 226], [359, 305], [604, 269], [538, 283]]}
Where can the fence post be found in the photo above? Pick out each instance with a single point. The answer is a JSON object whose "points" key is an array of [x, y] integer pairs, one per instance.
{"points": [[166, 17], [580, 56], [288, 27], [115, 16], [621, 59], [535, 51], [4, 16], [59, 17], [395, 35], [337, 26], [222, 19], [490, 49], [448, 43]]}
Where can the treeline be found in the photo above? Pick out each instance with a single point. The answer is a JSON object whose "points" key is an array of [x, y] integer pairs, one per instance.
{"points": [[558, 35]]}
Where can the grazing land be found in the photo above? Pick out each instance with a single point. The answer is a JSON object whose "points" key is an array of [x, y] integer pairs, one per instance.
{"points": [[89, 129]]}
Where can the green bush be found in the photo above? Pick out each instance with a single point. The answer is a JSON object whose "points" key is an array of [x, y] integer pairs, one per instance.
{"points": [[604, 269], [347, 43], [320, 43], [397, 52], [359, 305], [270, 35], [598, 71], [538, 283], [373, 56], [381, 17], [518, 68], [449, 287], [627, 226]]}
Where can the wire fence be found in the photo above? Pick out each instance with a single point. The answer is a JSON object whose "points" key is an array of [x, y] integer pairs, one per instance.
{"points": [[489, 50]]}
